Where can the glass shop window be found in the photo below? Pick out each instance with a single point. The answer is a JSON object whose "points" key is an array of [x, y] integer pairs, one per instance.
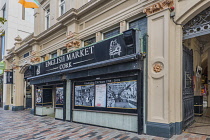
{"points": [[114, 95]]}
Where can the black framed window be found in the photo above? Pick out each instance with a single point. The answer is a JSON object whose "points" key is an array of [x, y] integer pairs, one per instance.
{"points": [[26, 55], [89, 41], [64, 51], [111, 33], [116, 95], [140, 24], [53, 55]]}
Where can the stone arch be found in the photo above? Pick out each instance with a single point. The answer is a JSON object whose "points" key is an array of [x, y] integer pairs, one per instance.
{"points": [[24, 68], [192, 12]]}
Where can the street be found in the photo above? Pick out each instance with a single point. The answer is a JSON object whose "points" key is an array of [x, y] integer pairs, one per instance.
{"points": [[22, 125]]}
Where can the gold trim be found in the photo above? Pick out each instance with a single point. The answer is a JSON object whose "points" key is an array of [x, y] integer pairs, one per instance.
{"points": [[159, 7]]}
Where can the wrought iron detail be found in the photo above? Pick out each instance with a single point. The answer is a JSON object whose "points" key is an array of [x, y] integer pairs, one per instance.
{"points": [[199, 25], [187, 88]]}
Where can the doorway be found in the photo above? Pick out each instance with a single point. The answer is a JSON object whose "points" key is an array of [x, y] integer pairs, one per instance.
{"points": [[196, 74]]}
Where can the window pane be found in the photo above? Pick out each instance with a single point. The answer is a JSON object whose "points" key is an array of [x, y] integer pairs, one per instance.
{"points": [[54, 55], [64, 51], [47, 18], [111, 33], [48, 22], [26, 54], [62, 7], [140, 24], [89, 41]]}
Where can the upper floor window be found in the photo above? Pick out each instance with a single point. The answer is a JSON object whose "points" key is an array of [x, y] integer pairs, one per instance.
{"points": [[4, 11], [26, 55], [47, 18], [53, 55], [140, 24], [111, 33], [28, 14], [61, 7], [64, 51], [89, 41]]}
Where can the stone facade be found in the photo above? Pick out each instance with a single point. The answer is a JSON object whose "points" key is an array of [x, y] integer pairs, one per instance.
{"points": [[83, 20]]}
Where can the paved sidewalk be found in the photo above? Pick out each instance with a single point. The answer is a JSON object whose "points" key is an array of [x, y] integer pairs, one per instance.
{"points": [[21, 125]]}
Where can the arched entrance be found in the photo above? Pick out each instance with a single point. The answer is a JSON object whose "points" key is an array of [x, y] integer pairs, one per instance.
{"points": [[196, 74], [27, 70]]}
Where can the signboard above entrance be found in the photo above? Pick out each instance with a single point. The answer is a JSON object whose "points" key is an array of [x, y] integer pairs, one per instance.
{"points": [[118, 46]]}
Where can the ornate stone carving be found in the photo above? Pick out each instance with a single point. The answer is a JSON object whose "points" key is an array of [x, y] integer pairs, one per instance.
{"points": [[33, 53], [35, 59], [158, 67], [73, 43], [159, 6], [18, 38]]}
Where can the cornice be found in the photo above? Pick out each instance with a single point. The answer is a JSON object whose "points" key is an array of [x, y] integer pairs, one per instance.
{"points": [[125, 14], [68, 14], [100, 10], [21, 48], [49, 31], [78, 12]]}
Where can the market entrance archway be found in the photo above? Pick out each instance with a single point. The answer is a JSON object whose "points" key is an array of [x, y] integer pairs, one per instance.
{"points": [[196, 74]]}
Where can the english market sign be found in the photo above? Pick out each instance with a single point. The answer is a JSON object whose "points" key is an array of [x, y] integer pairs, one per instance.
{"points": [[105, 50]]}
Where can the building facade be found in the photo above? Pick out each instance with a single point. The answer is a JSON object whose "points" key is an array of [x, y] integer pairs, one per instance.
{"points": [[123, 64], [20, 22]]}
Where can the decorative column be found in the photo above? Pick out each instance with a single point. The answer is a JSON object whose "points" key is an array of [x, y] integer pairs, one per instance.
{"points": [[18, 87], [6, 88], [164, 110]]}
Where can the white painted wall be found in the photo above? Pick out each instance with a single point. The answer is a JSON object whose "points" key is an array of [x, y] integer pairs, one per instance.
{"points": [[15, 25]]}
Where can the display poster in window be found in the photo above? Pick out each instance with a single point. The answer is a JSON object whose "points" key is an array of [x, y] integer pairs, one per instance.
{"points": [[59, 96], [100, 100], [84, 95], [38, 96], [122, 94]]}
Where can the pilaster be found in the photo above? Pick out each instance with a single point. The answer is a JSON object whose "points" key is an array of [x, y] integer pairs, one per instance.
{"points": [[164, 75]]}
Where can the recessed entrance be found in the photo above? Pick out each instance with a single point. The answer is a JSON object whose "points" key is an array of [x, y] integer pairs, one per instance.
{"points": [[196, 74]]}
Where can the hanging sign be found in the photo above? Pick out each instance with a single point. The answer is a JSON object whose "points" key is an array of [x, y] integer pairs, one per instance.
{"points": [[9, 77]]}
